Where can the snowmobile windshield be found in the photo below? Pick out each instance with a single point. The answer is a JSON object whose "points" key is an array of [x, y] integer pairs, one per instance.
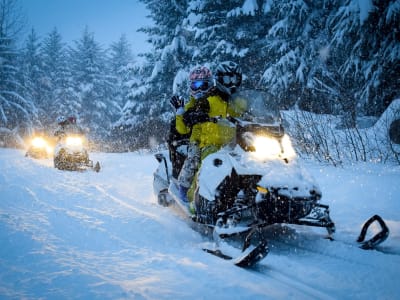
{"points": [[260, 107]]}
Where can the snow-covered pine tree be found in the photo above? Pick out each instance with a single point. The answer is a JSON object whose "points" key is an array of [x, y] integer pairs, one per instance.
{"points": [[344, 23], [297, 51], [230, 30], [93, 86], [124, 135], [379, 50], [16, 112], [124, 73], [121, 63], [147, 114], [31, 75], [59, 99]]}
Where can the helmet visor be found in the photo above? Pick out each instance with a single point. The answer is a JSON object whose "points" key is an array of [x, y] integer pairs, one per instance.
{"points": [[199, 85], [229, 80]]}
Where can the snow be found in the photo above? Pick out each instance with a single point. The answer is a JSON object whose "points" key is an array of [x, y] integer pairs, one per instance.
{"points": [[249, 8], [87, 235], [365, 7]]}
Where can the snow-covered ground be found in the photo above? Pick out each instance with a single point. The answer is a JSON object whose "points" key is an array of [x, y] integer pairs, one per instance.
{"points": [[87, 235]]}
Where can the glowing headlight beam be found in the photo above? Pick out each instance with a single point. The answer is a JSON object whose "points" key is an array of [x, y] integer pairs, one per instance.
{"points": [[267, 146], [39, 142], [272, 148], [288, 149], [74, 141]]}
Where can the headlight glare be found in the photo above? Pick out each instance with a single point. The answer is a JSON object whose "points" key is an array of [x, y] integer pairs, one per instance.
{"points": [[38, 142], [74, 141]]}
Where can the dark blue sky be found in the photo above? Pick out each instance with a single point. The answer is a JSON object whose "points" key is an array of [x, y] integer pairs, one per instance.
{"points": [[107, 19]]}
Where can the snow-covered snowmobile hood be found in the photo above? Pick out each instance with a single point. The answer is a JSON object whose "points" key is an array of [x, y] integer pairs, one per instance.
{"points": [[287, 176]]}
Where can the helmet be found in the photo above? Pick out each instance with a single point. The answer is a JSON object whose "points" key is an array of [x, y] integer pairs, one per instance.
{"points": [[61, 120], [201, 82], [228, 77], [72, 120]]}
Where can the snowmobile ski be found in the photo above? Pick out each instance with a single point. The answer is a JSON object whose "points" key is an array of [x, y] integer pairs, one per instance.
{"points": [[248, 259], [218, 253], [96, 167], [254, 249], [250, 254], [253, 255], [376, 239]]}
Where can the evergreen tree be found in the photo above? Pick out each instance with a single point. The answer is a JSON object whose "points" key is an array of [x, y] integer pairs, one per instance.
{"points": [[16, 112], [166, 74], [379, 49], [93, 86], [296, 45], [31, 75], [129, 132], [121, 63], [229, 30], [59, 98], [345, 27], [366, 52]]}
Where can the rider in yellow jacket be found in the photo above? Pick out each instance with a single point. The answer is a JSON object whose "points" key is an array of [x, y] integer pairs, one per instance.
{"points": [[205, 118], [212, 130]]}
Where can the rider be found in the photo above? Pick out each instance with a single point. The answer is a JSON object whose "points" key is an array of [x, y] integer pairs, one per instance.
{"points": [[204, 118], [67, 126], [228, 77]]}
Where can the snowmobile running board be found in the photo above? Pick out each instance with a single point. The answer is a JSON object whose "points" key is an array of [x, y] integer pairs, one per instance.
{"points": [[318, 217]]}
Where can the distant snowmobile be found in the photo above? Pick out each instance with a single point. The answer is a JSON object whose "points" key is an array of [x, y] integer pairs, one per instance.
{"points": [[249, 184], [71, 154], [39, 148]]}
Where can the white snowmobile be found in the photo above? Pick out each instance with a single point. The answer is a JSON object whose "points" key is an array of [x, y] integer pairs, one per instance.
{"points": [[71, 154], [254, 182]]}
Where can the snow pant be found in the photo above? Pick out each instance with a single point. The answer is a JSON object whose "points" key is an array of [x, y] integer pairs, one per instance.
{"points": [[190, 166], [177, 145], [188, 175]]}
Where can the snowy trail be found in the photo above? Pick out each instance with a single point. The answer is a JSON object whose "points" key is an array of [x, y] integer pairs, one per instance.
{"points": [[103, 236]]}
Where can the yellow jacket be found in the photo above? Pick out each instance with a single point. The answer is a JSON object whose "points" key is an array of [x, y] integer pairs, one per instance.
{"points": [[215, 134]]}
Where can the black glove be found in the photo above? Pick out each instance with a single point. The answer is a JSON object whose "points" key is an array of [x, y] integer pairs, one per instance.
{"points": [[192, 117], [177, 102]]}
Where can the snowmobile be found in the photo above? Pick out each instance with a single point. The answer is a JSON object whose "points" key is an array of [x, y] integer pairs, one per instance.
{"points": [[39, 148], [254, 182], [71, 154]]}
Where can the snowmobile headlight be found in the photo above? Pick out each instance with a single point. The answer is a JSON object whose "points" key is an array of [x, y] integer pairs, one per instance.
{"points": [[74, 141], [273, 148], [266, 147], [39, 142]]}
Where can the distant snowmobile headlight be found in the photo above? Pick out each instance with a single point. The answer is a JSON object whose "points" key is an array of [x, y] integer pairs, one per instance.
{"points": [[49, 150], [74, 141], [39, 142]]}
